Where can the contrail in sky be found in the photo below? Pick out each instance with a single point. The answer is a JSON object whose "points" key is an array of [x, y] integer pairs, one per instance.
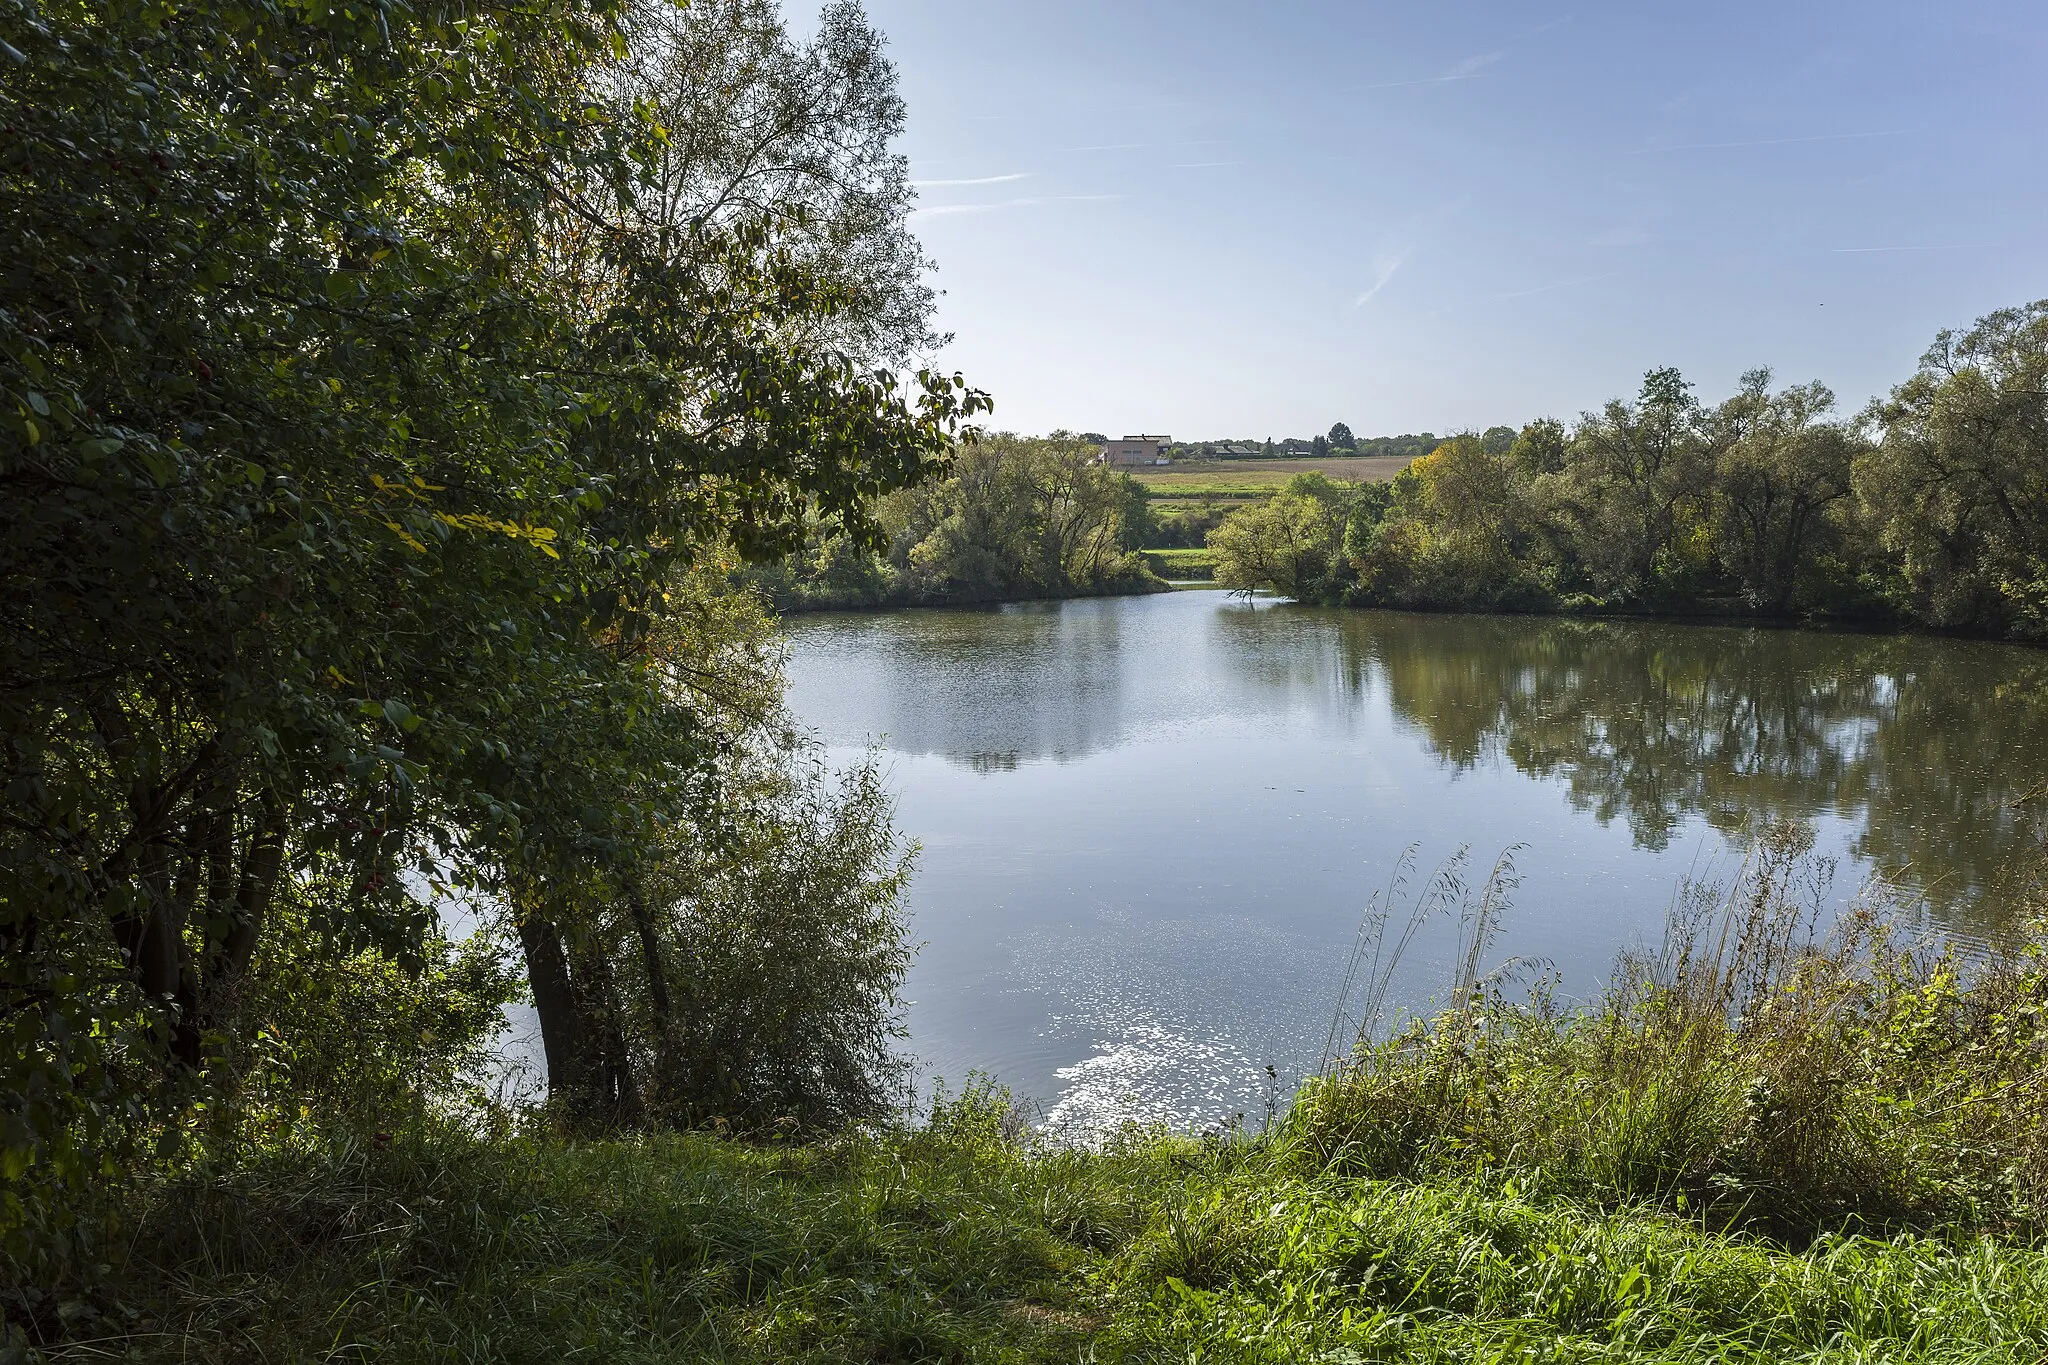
{"points": [[1466, 70], [1012, 203], [1768, 142], [1388, 267], [978, 180]]}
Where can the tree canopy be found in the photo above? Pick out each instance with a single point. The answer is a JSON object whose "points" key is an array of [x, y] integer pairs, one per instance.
{"points": [[1929, 508], [370, 376]]}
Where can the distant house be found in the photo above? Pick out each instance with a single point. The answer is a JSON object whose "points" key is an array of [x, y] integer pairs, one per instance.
{"points": [[1136, 450]]}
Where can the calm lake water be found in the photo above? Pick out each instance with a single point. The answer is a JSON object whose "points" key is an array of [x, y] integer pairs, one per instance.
{"points": [[1150, 826]]}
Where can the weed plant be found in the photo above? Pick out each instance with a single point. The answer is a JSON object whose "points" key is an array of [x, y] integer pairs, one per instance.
{"points": [[1757, 1071]]}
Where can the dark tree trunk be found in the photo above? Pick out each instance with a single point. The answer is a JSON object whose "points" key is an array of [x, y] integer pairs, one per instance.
{"points": [[590, 1068], [564, 1028], [229, 956], [660, 1004], [650, 956]]}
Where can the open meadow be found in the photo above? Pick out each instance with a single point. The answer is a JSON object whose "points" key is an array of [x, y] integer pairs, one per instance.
{"points": [[1242, 478]]}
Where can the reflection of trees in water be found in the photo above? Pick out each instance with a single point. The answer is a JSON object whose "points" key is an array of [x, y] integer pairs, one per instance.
{"points": [[1283, 656], [1927, 745], [1933, 744], [984, 689]]}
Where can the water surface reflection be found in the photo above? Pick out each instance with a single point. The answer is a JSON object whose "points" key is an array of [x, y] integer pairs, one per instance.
{"points": [[1150, 824]]}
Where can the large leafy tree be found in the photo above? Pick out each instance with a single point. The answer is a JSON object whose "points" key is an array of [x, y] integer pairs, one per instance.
{"points": [[760, 128], [1288, 543], [1958, 484], [354, 424], [1782, 470], [1021, 517], [1638, 470]]}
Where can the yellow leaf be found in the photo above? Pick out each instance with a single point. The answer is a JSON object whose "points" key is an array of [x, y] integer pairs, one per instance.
{"points": [[405, 536]]}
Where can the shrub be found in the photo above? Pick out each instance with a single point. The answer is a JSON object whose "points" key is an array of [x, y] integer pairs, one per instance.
{"points": [[1776, 1076], [787, 944]]}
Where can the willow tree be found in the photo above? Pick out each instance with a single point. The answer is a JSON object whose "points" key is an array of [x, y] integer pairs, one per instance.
{"points": [[353, 430], [1958, 484], [1781, 475]]}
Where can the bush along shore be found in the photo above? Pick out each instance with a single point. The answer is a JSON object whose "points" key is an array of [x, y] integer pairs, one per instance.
{"points": [[1759, 1144], [1016, 519], [1928, 509]]}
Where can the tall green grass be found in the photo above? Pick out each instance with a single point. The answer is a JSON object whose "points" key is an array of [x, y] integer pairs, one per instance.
{"points": [[1760, 1071], [958, 1247], [1767, 1142]]}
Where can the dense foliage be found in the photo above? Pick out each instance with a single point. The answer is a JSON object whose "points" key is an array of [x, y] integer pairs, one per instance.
{"points": [[1930, 508], [375, 384], [1018, 517]]}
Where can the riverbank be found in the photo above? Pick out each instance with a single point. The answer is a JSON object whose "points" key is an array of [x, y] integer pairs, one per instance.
{"points": [[803, 600], [1760, 1147], [953, 1245]]}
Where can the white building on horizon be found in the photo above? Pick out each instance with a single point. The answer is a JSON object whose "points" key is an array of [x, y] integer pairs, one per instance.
{"points": [[1137, 450]]}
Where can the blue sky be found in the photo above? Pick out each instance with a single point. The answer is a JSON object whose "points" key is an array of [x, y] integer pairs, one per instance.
{"points": [[1257, 219]]}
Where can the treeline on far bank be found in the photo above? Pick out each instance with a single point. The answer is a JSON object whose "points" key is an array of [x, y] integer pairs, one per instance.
{"points": [[1016, 518], [1928, 508]]}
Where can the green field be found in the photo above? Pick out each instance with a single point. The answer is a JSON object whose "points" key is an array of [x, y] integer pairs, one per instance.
{"points": [[1252, 478], [1183, 564], [953, 1244]]}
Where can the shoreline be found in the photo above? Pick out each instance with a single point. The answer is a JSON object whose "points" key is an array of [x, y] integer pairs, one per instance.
{"points": [[1656, 616]]}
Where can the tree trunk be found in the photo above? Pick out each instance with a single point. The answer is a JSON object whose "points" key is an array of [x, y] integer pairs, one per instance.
{"points": [[590, 1069], [564, 1029], [650, 955], [228, 957]]}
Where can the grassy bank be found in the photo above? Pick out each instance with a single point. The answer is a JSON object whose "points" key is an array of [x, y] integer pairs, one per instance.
{"points": [[1761, 1145], [954, 1245]]}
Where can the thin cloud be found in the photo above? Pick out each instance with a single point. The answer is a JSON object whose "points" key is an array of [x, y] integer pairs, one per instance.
{"points": [[1385, 268], [1770, 142], [1469, 69], [1559, 284], [1012, 204], [1143, 146], [1862, 250], [976, 180], [1472, 66]]}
